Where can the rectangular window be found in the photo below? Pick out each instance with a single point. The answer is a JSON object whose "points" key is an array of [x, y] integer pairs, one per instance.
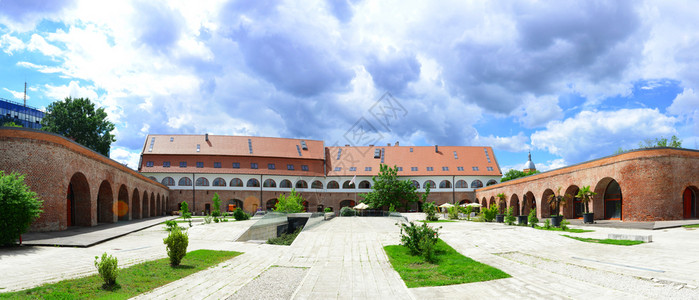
{"points": [[183, 164], [290, 167], [253, 165], [198, 147], [411, 149], [217, 165], [352, 169], [368, 169], [475, 168], [166, 164], [304, 167], [271, 166], [445, 168], [149, 164], [459, 168], [430, 169], [489, 168], [338, 169], [413, 169], [400, 169], [236, 165], [200, 164]]}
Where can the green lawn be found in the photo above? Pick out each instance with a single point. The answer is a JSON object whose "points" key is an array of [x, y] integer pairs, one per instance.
{"points": [[605, 241], [691, 226], [438, 221], [574, 230], [131, 281], [451, 267]]}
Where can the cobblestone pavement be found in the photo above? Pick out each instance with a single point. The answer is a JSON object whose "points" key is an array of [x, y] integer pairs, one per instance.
{"points": [[345, 260]]}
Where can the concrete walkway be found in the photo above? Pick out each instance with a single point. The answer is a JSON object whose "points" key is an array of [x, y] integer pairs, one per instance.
{"points": [[636, 225], [89, 236]]}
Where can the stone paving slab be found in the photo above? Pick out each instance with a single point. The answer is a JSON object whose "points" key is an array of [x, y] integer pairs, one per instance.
{"points": [[89, 236]]}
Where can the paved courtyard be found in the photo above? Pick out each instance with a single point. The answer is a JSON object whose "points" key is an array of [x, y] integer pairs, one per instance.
{"points": [[345, 260]]}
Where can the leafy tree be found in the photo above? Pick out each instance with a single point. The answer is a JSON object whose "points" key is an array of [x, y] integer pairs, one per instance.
{"points": [[291, 204], [430, 210], [557, 199], [514, 174], [9, 122], [674, 142], [501, 199], [184, 210], [389, 190], [19, 207], [585, 193], [217, 205], [78, 119]]}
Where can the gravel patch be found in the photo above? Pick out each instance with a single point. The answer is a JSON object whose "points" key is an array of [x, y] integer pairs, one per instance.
{"points": [[653, 288], [273, 283]]}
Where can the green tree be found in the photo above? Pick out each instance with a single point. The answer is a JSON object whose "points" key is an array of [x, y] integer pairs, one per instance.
{"points": [[585, 193], [19, 207], [389, 190], [217, 205], [184, 210], [514, 174], [557, 199], [78, 119], [291, 204], [674, 142]]}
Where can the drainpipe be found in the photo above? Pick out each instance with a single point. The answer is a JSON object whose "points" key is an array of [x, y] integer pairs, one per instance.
{"points": [[453, 192], [261, 192], [194, 199]]}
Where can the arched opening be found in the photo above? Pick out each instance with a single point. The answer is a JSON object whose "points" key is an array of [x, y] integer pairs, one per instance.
{"points": [[185, 181], [491, 182], [317, 185], [364, 184], [464, 201], [269, 183], [151, 207], [236, 182], [613, 201], [333, 185], [78, 206], [349, 203], [416, 184], [348, 185], [285, 184], [252, 182], [201, 181], [445, 184], [429, 183], [301, 184], [105, 203], [528, 203], [573, 208], [167, 181], [219, 182], [547, 208], [476, 184], [305, 206], [136, 205], [271, 203], [514, 203], [207, 209], [123, 210], [145, 208], [689, 202], [491, 202], [502, 206], [484, 203], [461, 184], [234, 204], [158, 204]]}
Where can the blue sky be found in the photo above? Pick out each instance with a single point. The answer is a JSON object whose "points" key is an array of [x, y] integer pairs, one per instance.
{"points": [[567, 80]]}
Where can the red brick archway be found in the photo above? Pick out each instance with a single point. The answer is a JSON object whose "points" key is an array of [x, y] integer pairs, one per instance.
{"points": [[123, 210], [145, 208], [105, 203], [528, 203], [151, 207], [136, 205], [514, 203], [689, 202], [78, 206], [573, 208], [546, 208]]}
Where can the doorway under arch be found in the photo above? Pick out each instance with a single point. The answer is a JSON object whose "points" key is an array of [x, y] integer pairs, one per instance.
{"points": [[136, 205], [514, 203], [123, 204], [613, 201], [689, 202], [573, 207], [105, 203], [78, 204]]}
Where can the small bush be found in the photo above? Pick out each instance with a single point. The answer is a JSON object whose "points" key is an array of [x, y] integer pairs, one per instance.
{"points": [[564, 224], [547, 224], [285, 239], [107, 268], [510, 216], [430, 210], [207, 219], [453, 213], [19, 207], [224, 220], [489, 213], [184, 210], [171, 225], [532, 219], [177, 242], [217, 206], [240, 215], [419, 239], [216, 220], [328, 209], [468, 210], [347, 212]]}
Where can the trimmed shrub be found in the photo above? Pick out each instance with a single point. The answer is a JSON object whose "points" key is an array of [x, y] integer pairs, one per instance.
{"points": [[532, 217], [328, 209], [489, 213], [176, 244], [510, 216], [453, 213], [217, 206], [419, 239], [286, 239], [347, 211], [240, 215], [171, 225], [19, 207], [430, 210], [107, 268], [207, 219], [216, 220]]}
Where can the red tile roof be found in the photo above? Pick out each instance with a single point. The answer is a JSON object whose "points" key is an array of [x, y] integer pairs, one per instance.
{"points": [[422, 157], [232, 146]]}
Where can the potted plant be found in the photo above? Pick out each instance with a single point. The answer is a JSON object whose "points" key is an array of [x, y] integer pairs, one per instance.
{"points": [[500, 217], [522, 219], [586, 194], [557, 199]]}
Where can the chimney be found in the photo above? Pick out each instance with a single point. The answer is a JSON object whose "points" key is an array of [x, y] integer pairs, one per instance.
{"points": [[436, 148], [396, 143], [389, 144], [206, 135], [346, 145]]}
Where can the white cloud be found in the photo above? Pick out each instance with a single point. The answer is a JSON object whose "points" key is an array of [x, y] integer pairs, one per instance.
{"points": [[537, 111], [551, 165], [38, 43], [40, 68], [517, 143], [16, 95], [686, 103], [592, 134], [11, 44], [125, 156], [73, 89]]}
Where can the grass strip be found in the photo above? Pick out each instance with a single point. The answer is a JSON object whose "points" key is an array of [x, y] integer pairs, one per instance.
{"points": [[131, 281], [450, 268], [573, 230], [691, 226], [438, 221], [605, 241]]}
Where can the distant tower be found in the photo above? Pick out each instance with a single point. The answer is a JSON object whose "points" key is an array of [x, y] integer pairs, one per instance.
{"points": [[25, 94], [529, 166]]}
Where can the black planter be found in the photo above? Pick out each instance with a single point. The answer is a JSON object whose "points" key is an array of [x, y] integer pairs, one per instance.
{"points": [[556, 221], [589, 218], [522, 220], [500, 218]]}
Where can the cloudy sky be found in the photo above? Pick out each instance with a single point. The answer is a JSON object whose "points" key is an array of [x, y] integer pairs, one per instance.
{"points": [[568, 80]]}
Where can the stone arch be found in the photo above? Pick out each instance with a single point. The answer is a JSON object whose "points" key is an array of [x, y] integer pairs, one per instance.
{"points": [[491, 182], [123, 211], [145, 208], [151, 207], [317, 185], [269, 183], [689, 202], [464, 201], [347, 202], [514, 203], [598, 201], [285, 184], [461, 184], [301, 184], [271, 203], [492, 201], [332, 184], [237, 203], [364, 184], [136, 205], [528, 203], [502, 206], [105, 203], [484, 203], [573, 208], [158, 205], [78, 206], [445, 184], [545, 208], [167, 202], [348, 185]]}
